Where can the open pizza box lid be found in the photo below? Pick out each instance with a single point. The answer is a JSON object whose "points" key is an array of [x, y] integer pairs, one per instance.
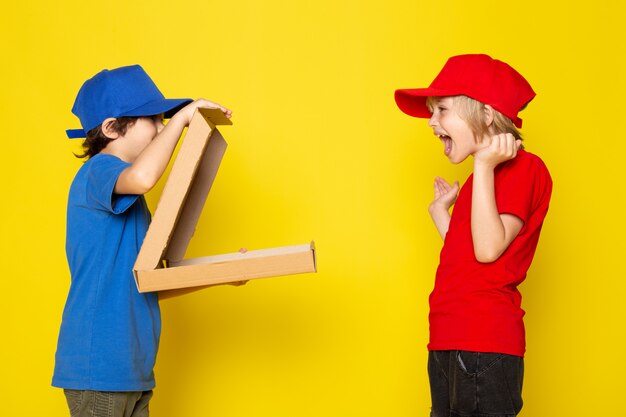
{"points": [[160, 265]]}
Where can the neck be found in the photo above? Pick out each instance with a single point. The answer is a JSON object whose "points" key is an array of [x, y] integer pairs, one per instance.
{"points": [[115, 148]]}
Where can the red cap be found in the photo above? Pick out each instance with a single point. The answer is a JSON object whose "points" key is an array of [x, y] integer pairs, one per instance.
{"points": [[477, 76]]}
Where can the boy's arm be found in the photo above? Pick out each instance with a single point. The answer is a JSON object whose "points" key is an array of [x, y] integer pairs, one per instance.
{"points": [[147, 168], [439, 209], [492, 232]]}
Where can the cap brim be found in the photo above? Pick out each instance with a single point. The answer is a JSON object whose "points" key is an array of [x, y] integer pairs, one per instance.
{"points": [[168, 106], [412, 101], [75, 133]]}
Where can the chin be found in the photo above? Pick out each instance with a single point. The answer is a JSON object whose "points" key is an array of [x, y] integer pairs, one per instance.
{"points": [[456, 160]]}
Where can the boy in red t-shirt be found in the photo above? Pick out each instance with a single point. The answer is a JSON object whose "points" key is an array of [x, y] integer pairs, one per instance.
{"points": [[477, 340]]}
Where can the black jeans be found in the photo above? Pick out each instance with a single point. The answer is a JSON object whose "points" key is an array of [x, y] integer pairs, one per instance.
{"points": [[475, 384]]}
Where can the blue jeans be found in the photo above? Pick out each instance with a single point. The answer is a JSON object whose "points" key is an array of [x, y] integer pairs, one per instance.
{"points": [[475, 384]]}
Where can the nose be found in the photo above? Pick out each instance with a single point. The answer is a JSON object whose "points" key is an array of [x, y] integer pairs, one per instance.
{"points": [[433, 121]]}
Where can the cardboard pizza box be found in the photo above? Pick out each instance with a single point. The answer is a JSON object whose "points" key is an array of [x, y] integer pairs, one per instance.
{"points": [[161, 265]]}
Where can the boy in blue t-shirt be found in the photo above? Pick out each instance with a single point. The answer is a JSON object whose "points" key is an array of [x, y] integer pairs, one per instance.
{"points": [[110, 332]]}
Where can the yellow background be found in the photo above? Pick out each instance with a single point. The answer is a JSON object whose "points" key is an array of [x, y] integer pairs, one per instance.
{"points": [[318, 150]]}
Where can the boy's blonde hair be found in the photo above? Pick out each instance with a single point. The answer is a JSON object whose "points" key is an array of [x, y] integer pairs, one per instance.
{"points": [[473, 112]]}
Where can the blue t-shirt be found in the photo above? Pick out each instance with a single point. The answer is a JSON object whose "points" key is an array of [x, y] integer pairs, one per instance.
{"points": [[110, 332]]}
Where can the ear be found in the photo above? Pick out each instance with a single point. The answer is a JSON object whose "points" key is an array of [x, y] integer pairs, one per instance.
{"points": [[488, 114], [107, 129]]}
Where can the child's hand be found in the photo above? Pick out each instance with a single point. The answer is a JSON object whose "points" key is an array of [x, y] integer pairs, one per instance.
{"points": [[503, 147], [445, 194], [186, 113]]}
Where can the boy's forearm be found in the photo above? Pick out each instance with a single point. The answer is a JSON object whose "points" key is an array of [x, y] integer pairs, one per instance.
{"points": [[488, 231], [441, 219], [492, 232], [151, 163]]}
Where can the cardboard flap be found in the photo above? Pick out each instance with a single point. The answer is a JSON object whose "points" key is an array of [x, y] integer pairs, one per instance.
{"points": [[214, 116], [229, 268], [196, 197], [185, 191]]}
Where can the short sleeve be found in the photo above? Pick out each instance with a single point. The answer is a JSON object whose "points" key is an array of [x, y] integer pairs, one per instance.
{"points": [[514, 187], [101, 178]]}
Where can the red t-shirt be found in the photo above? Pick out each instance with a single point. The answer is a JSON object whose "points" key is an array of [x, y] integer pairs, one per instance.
{"points": [[477, 306]]}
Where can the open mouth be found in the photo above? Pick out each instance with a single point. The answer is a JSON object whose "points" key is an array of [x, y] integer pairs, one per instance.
{"points": [[447, 143]]}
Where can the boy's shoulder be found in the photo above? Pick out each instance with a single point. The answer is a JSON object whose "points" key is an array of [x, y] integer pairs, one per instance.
{"points": [[526, 171], [526, 161], [93, 186], [98, 170], [103, 158], [102, 161], [531, 157]]}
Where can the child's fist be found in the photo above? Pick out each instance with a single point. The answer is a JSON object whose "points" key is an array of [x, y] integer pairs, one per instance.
{"points": [[502, 147]]}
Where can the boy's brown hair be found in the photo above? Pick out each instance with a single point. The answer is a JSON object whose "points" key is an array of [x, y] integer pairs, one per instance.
{"points": [[96, 140]]}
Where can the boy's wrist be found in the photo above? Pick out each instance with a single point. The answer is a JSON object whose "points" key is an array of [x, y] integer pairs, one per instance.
{"points": [[437, 206], [180, 118], [483, 166], [176, 124]]}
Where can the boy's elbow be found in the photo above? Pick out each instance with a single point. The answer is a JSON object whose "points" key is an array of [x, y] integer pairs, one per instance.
{"points": [[486, 255], [139, 182], [145, 182]]}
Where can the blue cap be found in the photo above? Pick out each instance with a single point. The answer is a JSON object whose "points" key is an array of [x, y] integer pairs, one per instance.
{"points": [[121, 92]]}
